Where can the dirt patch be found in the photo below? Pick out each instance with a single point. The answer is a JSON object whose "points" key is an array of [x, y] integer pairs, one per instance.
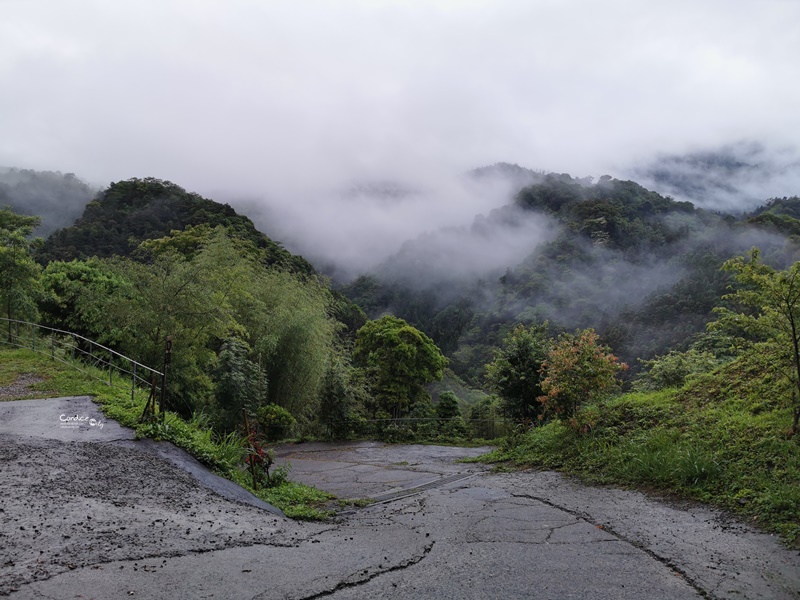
{"points": [[20, 387]]}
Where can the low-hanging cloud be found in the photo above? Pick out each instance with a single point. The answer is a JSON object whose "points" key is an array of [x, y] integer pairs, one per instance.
{"points": [[439, 225], [732, 178]]}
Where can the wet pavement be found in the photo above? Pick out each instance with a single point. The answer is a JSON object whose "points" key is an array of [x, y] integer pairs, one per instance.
{"points": [[374, 470], [84, 517]]}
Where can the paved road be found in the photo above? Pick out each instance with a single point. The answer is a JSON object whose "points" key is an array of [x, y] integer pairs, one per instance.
{"points": [[102, 518]]}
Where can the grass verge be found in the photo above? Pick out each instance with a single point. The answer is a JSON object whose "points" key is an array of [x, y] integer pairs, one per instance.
{"points": [[223, 454], [722, 440]]}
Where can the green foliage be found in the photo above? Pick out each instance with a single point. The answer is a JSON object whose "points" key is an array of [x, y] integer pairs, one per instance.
{"points": [[240, 384], [397, 433], [266, 325], [455, 429], [482, 416], [515, 373], [19, 273], [342, 397], [172, 296], [400, 360], [287, 323], [674, 369], [767, 308], [662, 458], [448, 406], [66, 285], [130, 212], [276, 422], [577, 370]]}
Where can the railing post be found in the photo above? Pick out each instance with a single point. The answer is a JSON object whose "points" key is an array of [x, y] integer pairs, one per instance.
{"points": [[52, 348], [133, 384], [110, 367], [167, 360]]}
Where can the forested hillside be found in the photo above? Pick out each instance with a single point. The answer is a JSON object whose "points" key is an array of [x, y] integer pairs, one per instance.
{"points": [[129, 212], [640, 268], [57, 198]]}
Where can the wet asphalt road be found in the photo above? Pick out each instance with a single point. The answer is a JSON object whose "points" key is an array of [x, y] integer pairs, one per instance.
{"points": [[87, 512]]}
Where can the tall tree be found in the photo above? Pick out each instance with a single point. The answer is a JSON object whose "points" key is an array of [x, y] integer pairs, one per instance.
{"points": [[19, 273], [515, 372], [766, 309], [400, 360]]}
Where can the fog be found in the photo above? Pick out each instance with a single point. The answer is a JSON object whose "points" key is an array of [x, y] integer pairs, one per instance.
{"points": [[307, 110], [732, 178]]}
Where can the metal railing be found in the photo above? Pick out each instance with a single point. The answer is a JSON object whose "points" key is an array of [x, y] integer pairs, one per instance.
{"points": [[73, 350]]}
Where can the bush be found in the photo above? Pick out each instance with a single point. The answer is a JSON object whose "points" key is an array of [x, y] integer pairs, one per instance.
{"points": [[448, 406], [674, 369], [395, 433], [276, 422]]}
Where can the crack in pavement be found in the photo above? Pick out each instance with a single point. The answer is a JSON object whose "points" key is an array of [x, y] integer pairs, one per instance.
{"points": [[638, 545], [364, 577]]}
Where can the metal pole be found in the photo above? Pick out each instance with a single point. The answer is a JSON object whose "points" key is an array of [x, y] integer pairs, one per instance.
{"points": [[133, 383], [167, 360]]}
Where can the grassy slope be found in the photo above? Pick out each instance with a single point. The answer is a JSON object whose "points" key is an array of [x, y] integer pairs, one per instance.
{"points": [[223, 455], [722, 439]]}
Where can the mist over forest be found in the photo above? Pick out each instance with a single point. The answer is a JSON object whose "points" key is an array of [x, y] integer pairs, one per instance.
{"points": [[573, 226], [465, 259]]}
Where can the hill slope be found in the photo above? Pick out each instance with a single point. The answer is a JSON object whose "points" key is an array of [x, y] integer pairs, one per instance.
{"points": [[129, 212]]}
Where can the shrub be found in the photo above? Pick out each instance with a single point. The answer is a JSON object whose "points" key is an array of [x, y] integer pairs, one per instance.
{"points": [[276, 422]]}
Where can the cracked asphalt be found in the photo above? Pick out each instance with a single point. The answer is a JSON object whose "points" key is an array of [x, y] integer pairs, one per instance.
{"points": [[88, 512]]}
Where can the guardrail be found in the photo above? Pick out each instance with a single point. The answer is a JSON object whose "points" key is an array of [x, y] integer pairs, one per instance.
{"points": [[73, 349]]}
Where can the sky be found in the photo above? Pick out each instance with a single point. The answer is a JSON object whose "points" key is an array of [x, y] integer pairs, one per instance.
{"points": [[287, 103]]}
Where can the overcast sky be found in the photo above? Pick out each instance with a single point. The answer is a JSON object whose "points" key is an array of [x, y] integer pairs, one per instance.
{"points": [[280, 100]]}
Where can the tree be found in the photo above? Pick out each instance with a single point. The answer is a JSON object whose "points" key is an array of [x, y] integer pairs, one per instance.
{"points": [[515, 373], [400, 360], [578, 370], [341, 397], [19, 273], [767, 310], [239, 384], [63, 286], [447, 407], [173, 296]]}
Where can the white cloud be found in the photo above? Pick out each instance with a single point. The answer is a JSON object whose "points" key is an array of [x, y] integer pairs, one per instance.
{"points": [[289, 100]]}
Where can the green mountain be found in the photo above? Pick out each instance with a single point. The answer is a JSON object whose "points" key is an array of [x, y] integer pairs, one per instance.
{"points": [[130, 212], [639, 267]]}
